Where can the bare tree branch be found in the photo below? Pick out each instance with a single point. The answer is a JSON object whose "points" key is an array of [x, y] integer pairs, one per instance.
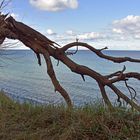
{"points": [[12, 29], [105, 97], [124, 97], [132, 94], [55, 82], [116, 73], [99, 52], [4, 3], [124, 76]]}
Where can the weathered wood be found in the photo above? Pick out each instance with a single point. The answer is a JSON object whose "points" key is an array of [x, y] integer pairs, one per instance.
{"points": [[40, 44]]}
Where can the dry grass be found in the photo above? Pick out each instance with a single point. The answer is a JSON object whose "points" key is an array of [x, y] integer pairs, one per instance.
{"points": [[91, 122]]}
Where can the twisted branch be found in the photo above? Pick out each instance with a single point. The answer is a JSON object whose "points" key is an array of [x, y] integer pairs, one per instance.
{"points": [[42, 45], [55, 82], [99, 53], [133, 96]]}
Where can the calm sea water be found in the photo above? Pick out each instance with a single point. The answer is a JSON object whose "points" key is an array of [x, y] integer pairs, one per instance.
{"points": [[23, 79]]}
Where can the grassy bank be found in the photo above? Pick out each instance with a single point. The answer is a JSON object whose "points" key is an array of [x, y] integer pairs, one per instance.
{"points": [[91, 122]]}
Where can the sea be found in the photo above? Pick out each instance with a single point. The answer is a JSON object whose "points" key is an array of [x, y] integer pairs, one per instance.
{"points": [[25, 81]]}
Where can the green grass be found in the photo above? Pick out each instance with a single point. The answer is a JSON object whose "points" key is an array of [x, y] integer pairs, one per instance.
{"points": [[91, 122]]}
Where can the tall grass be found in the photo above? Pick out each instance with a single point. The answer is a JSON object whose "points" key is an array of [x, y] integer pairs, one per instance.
{"points": [[90, 122]]}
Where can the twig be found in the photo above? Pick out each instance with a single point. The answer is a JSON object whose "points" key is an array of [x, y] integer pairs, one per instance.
{"points": [[133, 97], [99, 53]]}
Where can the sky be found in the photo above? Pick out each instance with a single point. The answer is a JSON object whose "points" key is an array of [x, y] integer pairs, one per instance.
{"points": [[111, 23]]}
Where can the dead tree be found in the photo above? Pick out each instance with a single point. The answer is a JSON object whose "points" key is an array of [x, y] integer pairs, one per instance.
{"points": [[41, 45]]}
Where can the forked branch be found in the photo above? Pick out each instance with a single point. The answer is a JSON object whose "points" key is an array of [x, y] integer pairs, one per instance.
{"points": [[40, 44], [99, 53]]}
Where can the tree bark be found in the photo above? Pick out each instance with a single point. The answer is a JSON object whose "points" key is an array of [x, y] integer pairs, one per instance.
{"points": [[40, 44]]}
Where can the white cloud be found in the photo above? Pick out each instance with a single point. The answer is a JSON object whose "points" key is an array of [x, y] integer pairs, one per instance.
{"points": [[137, 36], [13, 44], [91, 36], [54, 5], [129, 26], [50, 32], [123, 34], [65, 38], [119, 31], [71, 36], [129, 20], [70, 32]]}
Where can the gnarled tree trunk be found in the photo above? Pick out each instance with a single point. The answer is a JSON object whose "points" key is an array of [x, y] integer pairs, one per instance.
{"points": [[40, 44]]}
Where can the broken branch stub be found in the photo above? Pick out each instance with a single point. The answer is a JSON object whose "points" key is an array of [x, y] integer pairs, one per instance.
{"points": [[40, 44]]}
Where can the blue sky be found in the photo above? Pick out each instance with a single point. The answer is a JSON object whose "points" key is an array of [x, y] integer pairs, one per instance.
{"points": [[112, 23]]}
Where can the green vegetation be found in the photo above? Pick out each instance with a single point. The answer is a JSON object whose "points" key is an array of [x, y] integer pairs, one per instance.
{"points": [[91, 122]]}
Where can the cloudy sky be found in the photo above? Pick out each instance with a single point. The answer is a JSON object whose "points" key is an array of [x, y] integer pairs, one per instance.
{"points": [[112, 23]]}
